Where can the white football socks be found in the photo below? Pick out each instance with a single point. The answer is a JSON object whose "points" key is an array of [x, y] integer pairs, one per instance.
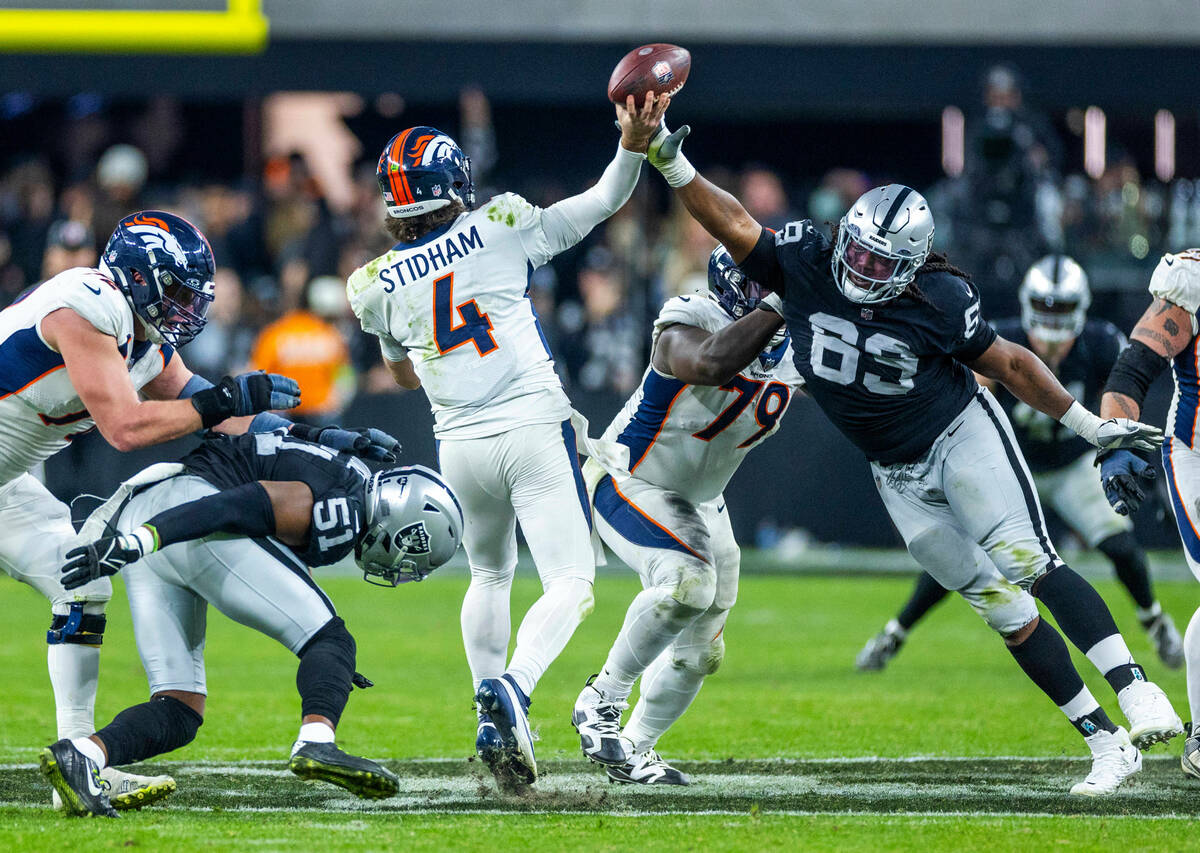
{"points": [[651, 624], [486, 627], [74, 676], [667, 691], [313, 733], [89, 748], [1191, 655], [547, 627], [1109, 653]]}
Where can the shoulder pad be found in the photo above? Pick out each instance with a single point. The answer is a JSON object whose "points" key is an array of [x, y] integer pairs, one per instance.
{"points": [[694, 309], [95, 298], [1176, 279], [511, 210]]}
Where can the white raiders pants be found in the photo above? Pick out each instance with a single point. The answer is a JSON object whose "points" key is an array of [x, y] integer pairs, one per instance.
{"points": [[37, 533], [668, 540], [969, 513], [1182, 465], [258, 583], [1075, 493]]}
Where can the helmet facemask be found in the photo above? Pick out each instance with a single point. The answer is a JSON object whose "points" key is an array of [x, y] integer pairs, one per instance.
{"points": [[413, 525], [866, 268], [1054, 297], [737, 294]]}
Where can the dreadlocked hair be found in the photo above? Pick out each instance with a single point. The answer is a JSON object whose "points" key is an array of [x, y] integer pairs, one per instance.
{"points": [[413, 228]]}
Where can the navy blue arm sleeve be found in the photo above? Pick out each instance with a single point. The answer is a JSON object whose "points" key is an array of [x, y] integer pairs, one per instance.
{"points": [[244, 510]]}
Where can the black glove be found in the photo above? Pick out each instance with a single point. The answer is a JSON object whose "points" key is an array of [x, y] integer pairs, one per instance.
{"points": [[246, 394], [367, 443], [1124, 475], [105, 556]]}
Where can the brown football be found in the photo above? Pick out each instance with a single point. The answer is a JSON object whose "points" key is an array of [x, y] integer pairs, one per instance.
{"points": [[658, 68]]}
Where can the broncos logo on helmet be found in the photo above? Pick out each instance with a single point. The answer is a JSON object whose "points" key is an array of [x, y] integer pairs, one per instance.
{"points": [[165, 267], [421, 170]]}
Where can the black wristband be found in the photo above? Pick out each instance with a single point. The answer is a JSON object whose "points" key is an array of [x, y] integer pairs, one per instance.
{"points": [[215, 404], [1135, 371], [306, 432]]}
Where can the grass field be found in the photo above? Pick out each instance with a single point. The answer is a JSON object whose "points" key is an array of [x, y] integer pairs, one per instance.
{"points": [[951, 748]]}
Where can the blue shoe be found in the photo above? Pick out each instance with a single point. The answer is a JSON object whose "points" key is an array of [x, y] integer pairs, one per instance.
{"points": [[502, 700], [489, 746]]}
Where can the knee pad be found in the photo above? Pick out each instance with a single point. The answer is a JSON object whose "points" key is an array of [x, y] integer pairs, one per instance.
{"points": [[572, 590], [1006, 607], [696, 586], [704, 659], [78, 626]]}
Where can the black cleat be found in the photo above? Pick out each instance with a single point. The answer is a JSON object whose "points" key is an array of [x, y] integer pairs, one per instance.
{"points": [[77, 780], [360, 776]]}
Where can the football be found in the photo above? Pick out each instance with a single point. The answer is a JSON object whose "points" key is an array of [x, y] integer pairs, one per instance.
{"points": [[658, 68]]}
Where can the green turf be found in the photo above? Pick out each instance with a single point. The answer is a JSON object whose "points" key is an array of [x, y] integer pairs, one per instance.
{"points": [[787, 690]]}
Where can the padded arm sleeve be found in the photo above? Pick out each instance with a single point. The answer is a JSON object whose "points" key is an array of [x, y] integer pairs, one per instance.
{"points": [[1135, 371], [244, 510], [570, 220]]}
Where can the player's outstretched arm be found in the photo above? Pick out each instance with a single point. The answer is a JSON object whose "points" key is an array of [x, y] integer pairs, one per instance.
{"points": [[567, 222], [717, 211], [1033, 383], [699, 357], [264, 508], [1163, 332]]}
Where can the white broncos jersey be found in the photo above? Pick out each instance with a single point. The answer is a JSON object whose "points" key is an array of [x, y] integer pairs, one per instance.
{"points": [[39, 409], [457, 303], [1176, 279], [692, 438]]}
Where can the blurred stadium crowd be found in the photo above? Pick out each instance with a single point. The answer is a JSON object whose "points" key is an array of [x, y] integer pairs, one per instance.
{"points": [[285, 240]]}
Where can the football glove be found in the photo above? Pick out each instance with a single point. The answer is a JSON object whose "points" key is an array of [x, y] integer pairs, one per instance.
{"points": [[106, 556], [373, 444], [1111, 434], [1124, 475], [246, 394], [665, 154], [772, 302]]}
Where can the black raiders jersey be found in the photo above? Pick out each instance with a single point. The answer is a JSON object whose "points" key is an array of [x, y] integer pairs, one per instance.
{"points": [[1047, 443], [890, 375], [338, 483]]}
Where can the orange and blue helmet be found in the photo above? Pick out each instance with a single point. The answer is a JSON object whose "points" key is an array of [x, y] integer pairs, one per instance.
{"points": [[421, 170], [165, 268]]}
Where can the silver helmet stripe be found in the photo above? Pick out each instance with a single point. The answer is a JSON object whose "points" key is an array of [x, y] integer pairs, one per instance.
{"points": [[886, 225]]}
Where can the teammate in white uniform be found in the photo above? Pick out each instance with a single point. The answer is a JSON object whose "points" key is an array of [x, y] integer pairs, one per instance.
{"points": [[450, 306], [719, 380], [73, 357], [1166, 332]]}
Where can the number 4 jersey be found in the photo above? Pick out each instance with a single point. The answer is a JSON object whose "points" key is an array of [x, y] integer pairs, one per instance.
{"points": [[457, 303], [337, 481], [889, 375], [692, 438]]}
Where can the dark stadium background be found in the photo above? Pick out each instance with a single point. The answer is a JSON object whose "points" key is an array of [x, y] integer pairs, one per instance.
{"points": [[797, 109]]}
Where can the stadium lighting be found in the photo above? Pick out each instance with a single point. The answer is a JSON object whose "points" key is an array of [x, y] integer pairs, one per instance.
{"points": [[240, 28], [1164, 145], [1093, 142], [953, 141]]}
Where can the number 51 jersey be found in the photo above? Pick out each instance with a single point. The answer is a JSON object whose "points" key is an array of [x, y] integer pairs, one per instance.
{"points": [[457, 303], [691, 439], [889, 375]]}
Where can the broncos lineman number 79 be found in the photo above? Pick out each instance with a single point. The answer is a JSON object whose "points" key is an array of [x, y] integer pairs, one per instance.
{"points": [[886, 336]]}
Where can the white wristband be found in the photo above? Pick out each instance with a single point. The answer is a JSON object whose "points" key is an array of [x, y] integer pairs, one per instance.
{"points": [[1082, 422], [678, 171], [143, 538]]}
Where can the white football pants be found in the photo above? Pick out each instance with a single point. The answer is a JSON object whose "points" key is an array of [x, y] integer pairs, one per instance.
{"points": [[528, 474], [1182, 465]]}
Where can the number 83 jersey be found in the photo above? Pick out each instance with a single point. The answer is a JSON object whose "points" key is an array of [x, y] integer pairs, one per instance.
{"points": [[889, 375]]}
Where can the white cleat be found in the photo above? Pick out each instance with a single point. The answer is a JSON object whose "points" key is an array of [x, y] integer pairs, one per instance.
{"points": [[128, 790], [598, 721], [1190, 760], [1114, 759], [1151, 718], [647, 768]]}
